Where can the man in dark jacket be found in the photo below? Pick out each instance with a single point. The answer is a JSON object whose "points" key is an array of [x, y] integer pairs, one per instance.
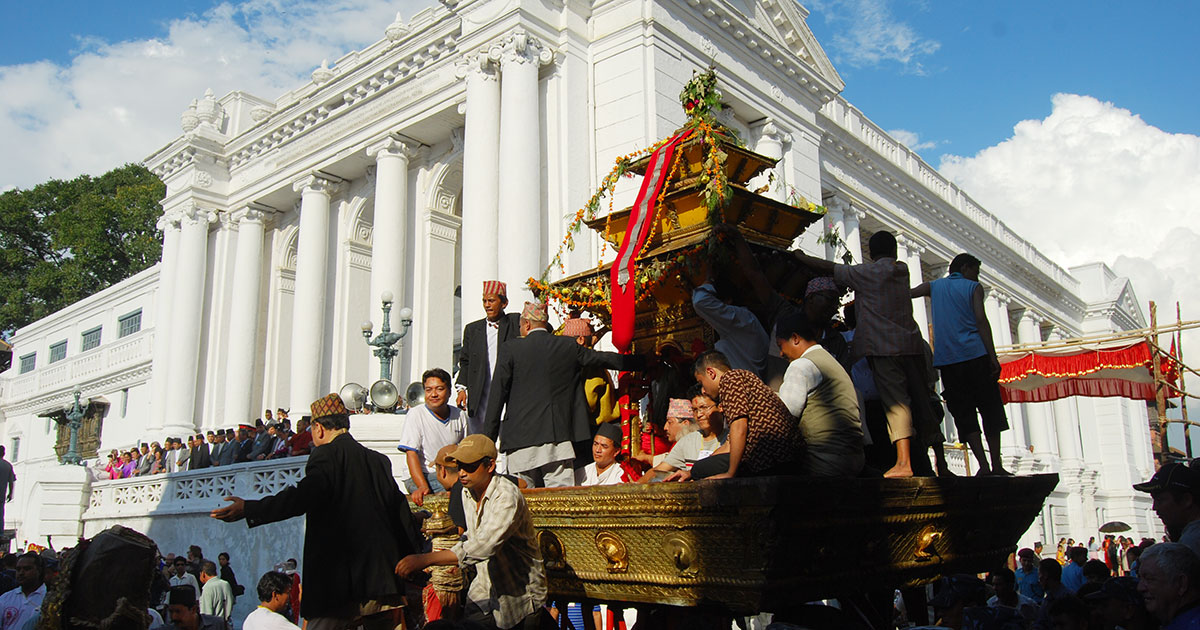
{"points": [[481, 342], [540, 378], [201, 457], [358, 526]]}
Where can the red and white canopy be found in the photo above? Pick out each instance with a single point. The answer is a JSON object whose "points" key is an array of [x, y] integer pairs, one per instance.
{"points": [[1100, 370]]}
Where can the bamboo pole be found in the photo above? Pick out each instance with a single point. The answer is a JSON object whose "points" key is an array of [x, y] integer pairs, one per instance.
{"points": [[1160, 398], [1187, 437], [1129, 335]]}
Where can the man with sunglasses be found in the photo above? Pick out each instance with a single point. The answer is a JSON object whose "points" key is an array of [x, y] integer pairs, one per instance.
{"points": [[508, 588], [696, 445]]}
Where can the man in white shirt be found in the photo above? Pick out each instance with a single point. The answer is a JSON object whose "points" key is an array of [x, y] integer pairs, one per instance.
{"points": [[818, 391], [216, 596], [24, 602], [604, 469], [274, 591], [182, 577], [428, 428]]}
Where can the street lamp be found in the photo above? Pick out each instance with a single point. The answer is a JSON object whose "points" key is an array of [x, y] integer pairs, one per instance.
{"points": [[74, 422], [386, 339]]}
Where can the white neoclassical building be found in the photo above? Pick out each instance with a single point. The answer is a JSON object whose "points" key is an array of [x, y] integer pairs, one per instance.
{"points": [[456, 149]]}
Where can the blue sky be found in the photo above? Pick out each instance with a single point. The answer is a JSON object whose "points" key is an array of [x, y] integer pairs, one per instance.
{"points": [[997, 63]]}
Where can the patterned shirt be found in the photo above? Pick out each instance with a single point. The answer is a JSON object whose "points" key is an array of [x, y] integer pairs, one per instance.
{"points": [[501, 549], [886, 327], [772, 433]]}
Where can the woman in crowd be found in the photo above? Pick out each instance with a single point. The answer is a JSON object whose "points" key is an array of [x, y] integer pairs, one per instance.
{"points": [[128, 464]]}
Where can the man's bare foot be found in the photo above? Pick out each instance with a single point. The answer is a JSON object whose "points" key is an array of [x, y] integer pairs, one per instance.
{"points": [[898, 471]]}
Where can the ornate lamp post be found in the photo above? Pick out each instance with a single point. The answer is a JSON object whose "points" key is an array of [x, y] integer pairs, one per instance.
{"points": [[74, 422], [386, 339]]}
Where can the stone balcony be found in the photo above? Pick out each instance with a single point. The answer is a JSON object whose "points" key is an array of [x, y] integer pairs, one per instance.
{"points": [[107, 361], [191, 492]]}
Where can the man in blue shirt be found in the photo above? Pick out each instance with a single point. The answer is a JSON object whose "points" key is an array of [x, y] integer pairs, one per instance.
{"points": [[965, 354], [1027, 575], [1072, 574]]}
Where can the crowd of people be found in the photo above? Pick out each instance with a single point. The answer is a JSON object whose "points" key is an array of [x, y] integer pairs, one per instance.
{"points": [[788, 385], [787, 388], [272, 438], [187, 592]]}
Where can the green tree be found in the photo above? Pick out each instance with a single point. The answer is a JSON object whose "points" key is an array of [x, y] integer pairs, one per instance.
{"points": [[62, 241]]}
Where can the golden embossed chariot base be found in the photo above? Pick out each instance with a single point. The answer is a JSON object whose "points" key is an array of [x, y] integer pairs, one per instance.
{"points": [[772, 543]]}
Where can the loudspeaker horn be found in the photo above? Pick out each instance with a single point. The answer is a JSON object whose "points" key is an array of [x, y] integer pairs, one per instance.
{"points": [[353, 395], [384, 394], [414, 394]]}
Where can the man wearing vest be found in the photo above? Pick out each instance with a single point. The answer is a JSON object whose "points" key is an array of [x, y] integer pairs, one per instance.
{"points": [[966, 356], [818, 391]]}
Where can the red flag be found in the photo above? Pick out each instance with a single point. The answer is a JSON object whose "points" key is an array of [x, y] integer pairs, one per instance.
{"points": [[1170, 370], [641, 218]]}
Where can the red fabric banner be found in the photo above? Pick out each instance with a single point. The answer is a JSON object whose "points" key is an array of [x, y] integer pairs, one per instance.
{"points": [[641, 219], [1123, 371]]}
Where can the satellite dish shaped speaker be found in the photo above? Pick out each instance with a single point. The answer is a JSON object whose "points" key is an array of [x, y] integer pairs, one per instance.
{"points": [[384, 394], [415, 394], [353, 395]]}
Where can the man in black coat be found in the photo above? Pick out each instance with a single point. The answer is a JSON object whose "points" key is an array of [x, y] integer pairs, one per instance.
{"points": [[358, 526], [201, 457], [481, 342], [540, 378]]}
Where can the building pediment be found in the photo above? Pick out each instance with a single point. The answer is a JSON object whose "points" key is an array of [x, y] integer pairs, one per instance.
{"points": [[786, 21]]}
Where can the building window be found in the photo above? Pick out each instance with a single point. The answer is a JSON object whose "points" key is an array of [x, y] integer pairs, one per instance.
{"points": [[15, 456], [91, 339], [58, 351], [124, 401], [130, 323], [28, 362]]}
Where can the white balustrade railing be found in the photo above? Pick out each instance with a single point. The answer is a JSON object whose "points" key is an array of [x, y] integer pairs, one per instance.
{"points": [[192, 491], [109, 358]]}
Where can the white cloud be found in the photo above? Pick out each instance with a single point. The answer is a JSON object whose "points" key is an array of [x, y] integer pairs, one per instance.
{"points": [[117, 102], [911, 139], [868, 34], [1094, 182]]}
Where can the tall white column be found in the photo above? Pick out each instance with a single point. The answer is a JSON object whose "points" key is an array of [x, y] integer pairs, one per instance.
{"points": [[243, 351], [1041, 433], [308, 310], [481, 167], [169, 224], [1066, 421], [770, 143], [434, 347], [520, 208], [997, 312], [187, 297], [390, 231], [833, 224], [910, 252], [853, 237]]}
